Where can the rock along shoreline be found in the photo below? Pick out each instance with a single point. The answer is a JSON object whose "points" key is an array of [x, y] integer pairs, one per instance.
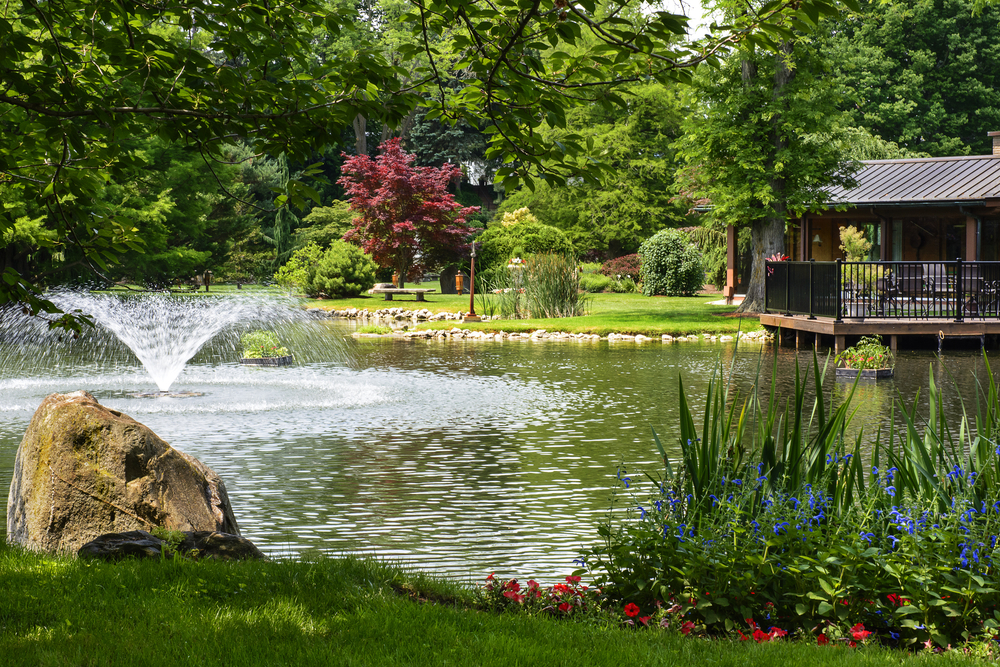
{"points": [[401, 316]]}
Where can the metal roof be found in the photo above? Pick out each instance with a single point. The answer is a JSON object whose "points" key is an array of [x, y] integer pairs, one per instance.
{"points": [[923, 180]]}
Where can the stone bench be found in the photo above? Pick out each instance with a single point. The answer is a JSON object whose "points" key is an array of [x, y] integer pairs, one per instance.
{"points": [[390, 291]]}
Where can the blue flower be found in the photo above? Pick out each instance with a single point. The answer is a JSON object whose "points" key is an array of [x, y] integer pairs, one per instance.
{"points": [[581, 560], [891, 490], [867, 536], [895, 540], [875, 470], [894, 635], [642, 513], [738, 482], [779, 528]]}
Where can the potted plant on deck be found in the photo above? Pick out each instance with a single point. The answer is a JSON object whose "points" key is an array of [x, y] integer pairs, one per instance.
{"points": [[869, 358], [262, 348]]}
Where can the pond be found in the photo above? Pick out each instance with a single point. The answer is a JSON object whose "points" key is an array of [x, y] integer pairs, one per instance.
{"points": [[454, 457]]}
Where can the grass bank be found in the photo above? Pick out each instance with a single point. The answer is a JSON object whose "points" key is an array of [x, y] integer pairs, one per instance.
{"points": [[325, 612], [606, 313]]}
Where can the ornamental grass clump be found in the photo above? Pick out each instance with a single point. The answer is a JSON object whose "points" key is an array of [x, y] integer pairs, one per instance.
{"points": [[778, 519], [545, 285]]}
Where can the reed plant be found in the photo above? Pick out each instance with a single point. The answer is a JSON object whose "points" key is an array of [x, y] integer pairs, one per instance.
{"points": [[774, 515], [546, 286]]}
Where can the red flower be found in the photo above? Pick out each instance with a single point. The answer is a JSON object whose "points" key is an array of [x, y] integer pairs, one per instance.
{"points": [[859, 633], [631, 610], [514, 596], [761, 636], [512, 585], [822, 640], [490, 578], [777, 633], [565, 606], [687, 627], [644, 620], [572, 580], [743, 637]]}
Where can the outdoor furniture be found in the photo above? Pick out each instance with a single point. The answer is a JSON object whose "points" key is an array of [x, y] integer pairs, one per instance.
{"points": [[391, 291]]}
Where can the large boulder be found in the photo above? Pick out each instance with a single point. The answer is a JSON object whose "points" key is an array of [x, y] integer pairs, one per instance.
{"points": [[84, 470]]}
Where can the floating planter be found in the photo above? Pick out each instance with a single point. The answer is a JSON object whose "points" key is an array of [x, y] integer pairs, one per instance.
{"points": [[869, 359], [267, 361], [865, 373], [262, 348]]}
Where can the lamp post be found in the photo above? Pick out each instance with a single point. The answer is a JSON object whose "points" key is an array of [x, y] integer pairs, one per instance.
{"points": [[472, 317]]}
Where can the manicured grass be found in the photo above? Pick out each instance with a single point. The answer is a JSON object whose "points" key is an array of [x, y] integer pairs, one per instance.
{"points": [[607, 313], [324, 612]]}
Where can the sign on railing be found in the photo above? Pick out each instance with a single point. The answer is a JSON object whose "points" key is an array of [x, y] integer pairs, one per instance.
{"points": [[884, 290]]}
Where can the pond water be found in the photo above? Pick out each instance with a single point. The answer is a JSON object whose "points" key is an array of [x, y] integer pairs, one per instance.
{"points": [[454, 457]]}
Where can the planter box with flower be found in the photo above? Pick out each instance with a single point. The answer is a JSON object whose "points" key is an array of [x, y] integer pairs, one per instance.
{"points": [[869, 359], [262, 348]]}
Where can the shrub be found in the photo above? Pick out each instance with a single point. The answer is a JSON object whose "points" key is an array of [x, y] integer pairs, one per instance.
{"points": [[590, 267], [262, 345], [629, 265], [527, 237], [344, 270], [294, 275], [671, 265], [594, 282], [624, 285]]}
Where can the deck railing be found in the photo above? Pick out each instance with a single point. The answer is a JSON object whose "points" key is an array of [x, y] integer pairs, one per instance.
{"points": [[955, 290]]}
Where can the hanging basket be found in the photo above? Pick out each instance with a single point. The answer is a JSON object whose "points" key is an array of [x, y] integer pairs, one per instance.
{"points": [[267, 361]]}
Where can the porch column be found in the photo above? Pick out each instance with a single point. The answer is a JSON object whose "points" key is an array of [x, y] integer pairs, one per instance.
{"points": [[805, 239], [971, 236], [885, 250], [730, 288]]}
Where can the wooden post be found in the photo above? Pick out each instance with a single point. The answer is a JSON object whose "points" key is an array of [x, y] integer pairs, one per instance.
{"points": [[839, 344], [731, 247], [893, 343], [971, 227], [798, 339]]}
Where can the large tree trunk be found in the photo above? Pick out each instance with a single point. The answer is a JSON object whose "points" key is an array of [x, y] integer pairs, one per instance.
{"points": [[360, 135], [767, 235]]}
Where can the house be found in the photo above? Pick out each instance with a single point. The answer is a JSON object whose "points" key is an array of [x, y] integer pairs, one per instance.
{"points": [[934, 224]]}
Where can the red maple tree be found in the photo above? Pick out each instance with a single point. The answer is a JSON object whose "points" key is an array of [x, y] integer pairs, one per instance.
{"points": [[407, 218]]}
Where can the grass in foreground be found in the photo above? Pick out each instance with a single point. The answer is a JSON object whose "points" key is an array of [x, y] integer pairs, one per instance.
{"points": [[324, 612]]}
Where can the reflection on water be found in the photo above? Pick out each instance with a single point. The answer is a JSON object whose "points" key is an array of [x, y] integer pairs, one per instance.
{"points": [[459, 457]]}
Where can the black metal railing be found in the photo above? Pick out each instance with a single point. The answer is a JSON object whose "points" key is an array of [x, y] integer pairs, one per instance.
{"points": [[955, 290]]}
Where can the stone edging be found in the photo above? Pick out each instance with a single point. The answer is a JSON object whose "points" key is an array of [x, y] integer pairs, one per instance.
{"points": [[395, 315]]}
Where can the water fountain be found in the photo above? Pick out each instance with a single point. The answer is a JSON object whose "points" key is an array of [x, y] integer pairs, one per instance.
{"points": [[163, 332]]}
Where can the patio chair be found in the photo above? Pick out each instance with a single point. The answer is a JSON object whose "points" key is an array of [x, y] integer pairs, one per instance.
{"points": [[910, 281]]}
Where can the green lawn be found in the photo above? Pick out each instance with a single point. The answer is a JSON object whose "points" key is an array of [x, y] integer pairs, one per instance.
{"points": [[324, 612], [608, 313]]}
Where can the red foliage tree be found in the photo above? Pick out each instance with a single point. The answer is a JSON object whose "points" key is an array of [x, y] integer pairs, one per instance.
{"points": [[407, 218]]}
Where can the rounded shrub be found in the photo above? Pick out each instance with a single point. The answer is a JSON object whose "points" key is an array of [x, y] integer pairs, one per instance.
{"points": [[295, 273], [671, 265], [523, 238], [344, 270]]}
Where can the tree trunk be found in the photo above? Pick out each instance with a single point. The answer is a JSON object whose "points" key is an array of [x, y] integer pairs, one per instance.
{"points": [[360, 135], [767, 235]]}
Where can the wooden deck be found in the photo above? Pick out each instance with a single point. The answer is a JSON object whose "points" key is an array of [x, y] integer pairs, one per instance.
{"points": [[808, 331]]}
